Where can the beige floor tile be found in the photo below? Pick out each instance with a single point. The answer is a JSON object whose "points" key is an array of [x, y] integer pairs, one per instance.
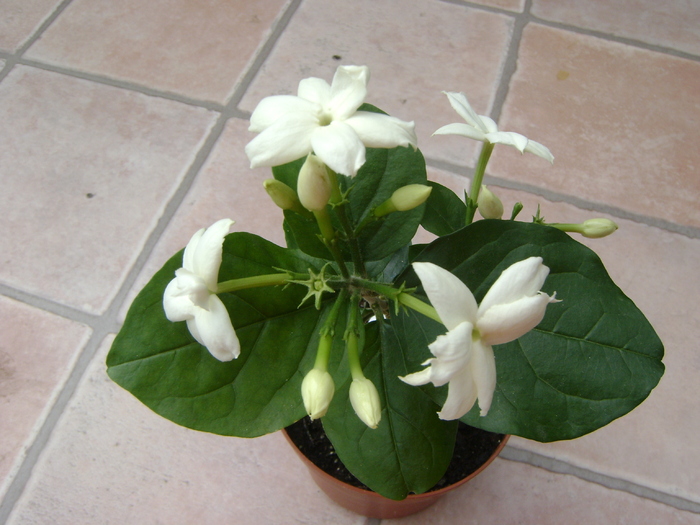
{"points": [[410, 66], [20, 19], [37, 353], [663, 283], [673, 24], [508, 492], [225, 187], [86, 171], [620, 122], [197, 49], [113, 461]]}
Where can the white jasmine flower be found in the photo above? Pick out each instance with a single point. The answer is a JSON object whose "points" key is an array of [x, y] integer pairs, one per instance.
{"points": [[480, 127], [324, 119], [463, 356], [191, 296]]}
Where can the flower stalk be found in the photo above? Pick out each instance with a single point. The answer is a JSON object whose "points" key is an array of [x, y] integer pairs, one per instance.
{"points": [[477, 179]]}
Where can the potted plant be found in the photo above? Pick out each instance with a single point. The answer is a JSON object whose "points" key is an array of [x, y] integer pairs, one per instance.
{"points": [[511, 327]]}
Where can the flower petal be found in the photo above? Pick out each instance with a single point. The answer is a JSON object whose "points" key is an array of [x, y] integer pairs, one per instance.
{"points": [[508, 138], [464, 130], [461, 395], [538, 149], [208, 252], [315, 90], [270, 109], [215, 331], [288, 139], [348, 90], [524, 278], [489, 124], [503, 323], [483, 369], [339, 147], [418, 378], [451, 298], [190, 249], [382, 131], [452, 352], [461, 105], [177, 306]]}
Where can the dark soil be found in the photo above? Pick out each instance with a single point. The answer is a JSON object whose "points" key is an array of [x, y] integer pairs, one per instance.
{"points": [[472, 448]]}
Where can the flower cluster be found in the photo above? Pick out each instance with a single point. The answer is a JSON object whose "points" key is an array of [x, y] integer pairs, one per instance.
{"points": [[324, 124]]}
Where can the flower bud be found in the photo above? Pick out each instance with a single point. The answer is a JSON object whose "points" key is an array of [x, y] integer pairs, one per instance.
{"points": [[489, 206], [317, 390], [597, 228], [365, 401], [281, 194], [404, 199], [314, 184]]}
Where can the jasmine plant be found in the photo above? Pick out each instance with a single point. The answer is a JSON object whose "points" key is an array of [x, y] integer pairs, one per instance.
{"points": [[509, 326]]}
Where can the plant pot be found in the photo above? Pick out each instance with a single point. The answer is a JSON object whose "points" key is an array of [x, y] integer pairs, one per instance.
{"points": [[368, 503]]}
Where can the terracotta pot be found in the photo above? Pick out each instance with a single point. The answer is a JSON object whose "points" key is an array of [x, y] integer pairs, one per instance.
{"points": [[373, 505]]}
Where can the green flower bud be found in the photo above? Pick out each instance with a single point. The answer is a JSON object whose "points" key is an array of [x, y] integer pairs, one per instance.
{"points": [[489, 206], [404, 199], [281, 194], [365, 401], [597, 228], [314, 184], [317, 390]]}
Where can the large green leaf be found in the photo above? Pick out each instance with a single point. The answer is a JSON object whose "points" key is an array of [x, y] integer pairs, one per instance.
{"points": [[411, 448], [592, 359], [444, 211], [163, 366]]}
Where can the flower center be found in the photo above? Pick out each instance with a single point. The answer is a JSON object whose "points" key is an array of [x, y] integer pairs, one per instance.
{"points": [[325, 119]]}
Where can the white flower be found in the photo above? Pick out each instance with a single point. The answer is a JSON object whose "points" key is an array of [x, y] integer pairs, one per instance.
{"points": [[324, 119], [364, 399], [317, 391], [463, 356], [480, 127], [191, 296]]}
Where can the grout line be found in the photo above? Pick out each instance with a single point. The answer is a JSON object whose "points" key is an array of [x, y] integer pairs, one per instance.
{"points": [[692, 232], [264, 52], [43, 27], [631, 42], [122, 84], [561, 467], [372, 521], [67, 312], [510, 64]]}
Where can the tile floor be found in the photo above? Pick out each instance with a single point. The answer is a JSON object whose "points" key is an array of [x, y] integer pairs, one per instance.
{"points": [[122, 127]]}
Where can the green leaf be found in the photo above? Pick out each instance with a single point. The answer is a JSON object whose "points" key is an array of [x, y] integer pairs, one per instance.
{"points": [[383, 173], [445, 212], [163, 366], [411, 448], [592, 359]]}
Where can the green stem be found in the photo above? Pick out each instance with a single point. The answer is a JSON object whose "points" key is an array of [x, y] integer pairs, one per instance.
{"points": [[419, 306], [477, 180], [330, 239], [336, 201], [327, 332], [575, 228], [352, 337], [256, 281]]}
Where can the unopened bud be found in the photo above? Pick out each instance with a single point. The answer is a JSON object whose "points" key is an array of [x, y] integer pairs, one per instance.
{"points": [[281, 194], [489, 206], [317, 390], [365, 401], [404, 199], [314, 184], [597, 228]]}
